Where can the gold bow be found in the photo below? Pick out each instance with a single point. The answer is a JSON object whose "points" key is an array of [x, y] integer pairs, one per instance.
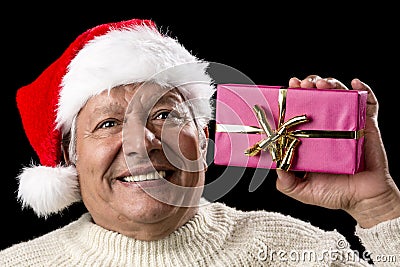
{"points": [[281, 143]]}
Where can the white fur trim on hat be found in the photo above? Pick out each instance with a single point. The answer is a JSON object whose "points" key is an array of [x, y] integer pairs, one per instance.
{"points": [[48, 190], [122, 57]]}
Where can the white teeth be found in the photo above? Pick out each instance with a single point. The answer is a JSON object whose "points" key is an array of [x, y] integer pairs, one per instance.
{"points": [[145, 177]]}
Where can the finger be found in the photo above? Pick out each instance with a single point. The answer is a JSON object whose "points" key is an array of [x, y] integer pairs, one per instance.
{"points": [[372, 101], [294, 82], [286, 182], [310, 81], [374, 149], [330, 83], [358, 85]]}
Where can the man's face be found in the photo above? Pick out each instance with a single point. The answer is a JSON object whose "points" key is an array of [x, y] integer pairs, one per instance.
{"points": [[140, 166]]}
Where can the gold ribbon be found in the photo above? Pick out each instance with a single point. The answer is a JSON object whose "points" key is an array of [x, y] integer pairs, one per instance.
{"points": [[281, 143]]}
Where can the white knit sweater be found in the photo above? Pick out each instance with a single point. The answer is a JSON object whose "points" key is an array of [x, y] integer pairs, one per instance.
{"points": [[217, 236]]}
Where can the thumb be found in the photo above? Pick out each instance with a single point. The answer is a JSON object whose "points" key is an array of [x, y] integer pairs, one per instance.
{"points": [[286, 182]]}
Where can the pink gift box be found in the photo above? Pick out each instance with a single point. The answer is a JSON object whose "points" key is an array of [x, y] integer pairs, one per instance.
{"points": [[336, 117]]}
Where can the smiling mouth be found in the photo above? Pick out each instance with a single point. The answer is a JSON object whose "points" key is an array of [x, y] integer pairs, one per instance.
{"points": [[156, 175]]}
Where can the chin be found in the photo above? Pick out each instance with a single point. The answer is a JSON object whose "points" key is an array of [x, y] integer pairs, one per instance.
{"points": [[152, 211]]}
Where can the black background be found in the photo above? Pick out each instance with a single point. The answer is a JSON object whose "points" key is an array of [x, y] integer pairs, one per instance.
{"points": [[269, 43]]}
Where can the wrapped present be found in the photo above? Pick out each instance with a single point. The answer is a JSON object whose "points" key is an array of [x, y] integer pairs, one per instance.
{"points": [[297, 129]]}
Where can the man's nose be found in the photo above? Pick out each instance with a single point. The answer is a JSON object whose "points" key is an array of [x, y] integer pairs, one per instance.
{"points": [[139, 140]]}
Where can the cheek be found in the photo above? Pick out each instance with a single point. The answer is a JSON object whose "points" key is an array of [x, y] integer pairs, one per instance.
{"points": [[95, 156], [182, 140], [180, 145], [189, 144]]}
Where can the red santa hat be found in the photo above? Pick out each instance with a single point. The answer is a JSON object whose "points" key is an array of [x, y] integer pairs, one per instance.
{"points": [[99, 59]]}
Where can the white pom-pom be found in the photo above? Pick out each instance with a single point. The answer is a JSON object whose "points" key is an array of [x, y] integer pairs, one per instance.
{"points": [[48, 190]]}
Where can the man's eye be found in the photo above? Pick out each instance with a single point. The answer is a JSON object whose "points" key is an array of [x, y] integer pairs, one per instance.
{"points": [[170, 117], [163, 115], [107, 124]]}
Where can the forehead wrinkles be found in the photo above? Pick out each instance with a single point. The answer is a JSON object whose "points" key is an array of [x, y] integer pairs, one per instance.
{"points": [[104, 103], [111, 108], [144, 99]]}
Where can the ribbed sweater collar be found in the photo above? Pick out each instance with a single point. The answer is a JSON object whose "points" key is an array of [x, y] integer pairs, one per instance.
{"points": [[206, 232]]}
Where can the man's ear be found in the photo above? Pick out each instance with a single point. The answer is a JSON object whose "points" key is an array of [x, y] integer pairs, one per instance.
{"points": [[204, 146], [204, 142], [64, 149], [206, 131]]}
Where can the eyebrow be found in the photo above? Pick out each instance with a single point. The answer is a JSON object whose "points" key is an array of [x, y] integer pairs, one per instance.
{"points": [[110, 108]]}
